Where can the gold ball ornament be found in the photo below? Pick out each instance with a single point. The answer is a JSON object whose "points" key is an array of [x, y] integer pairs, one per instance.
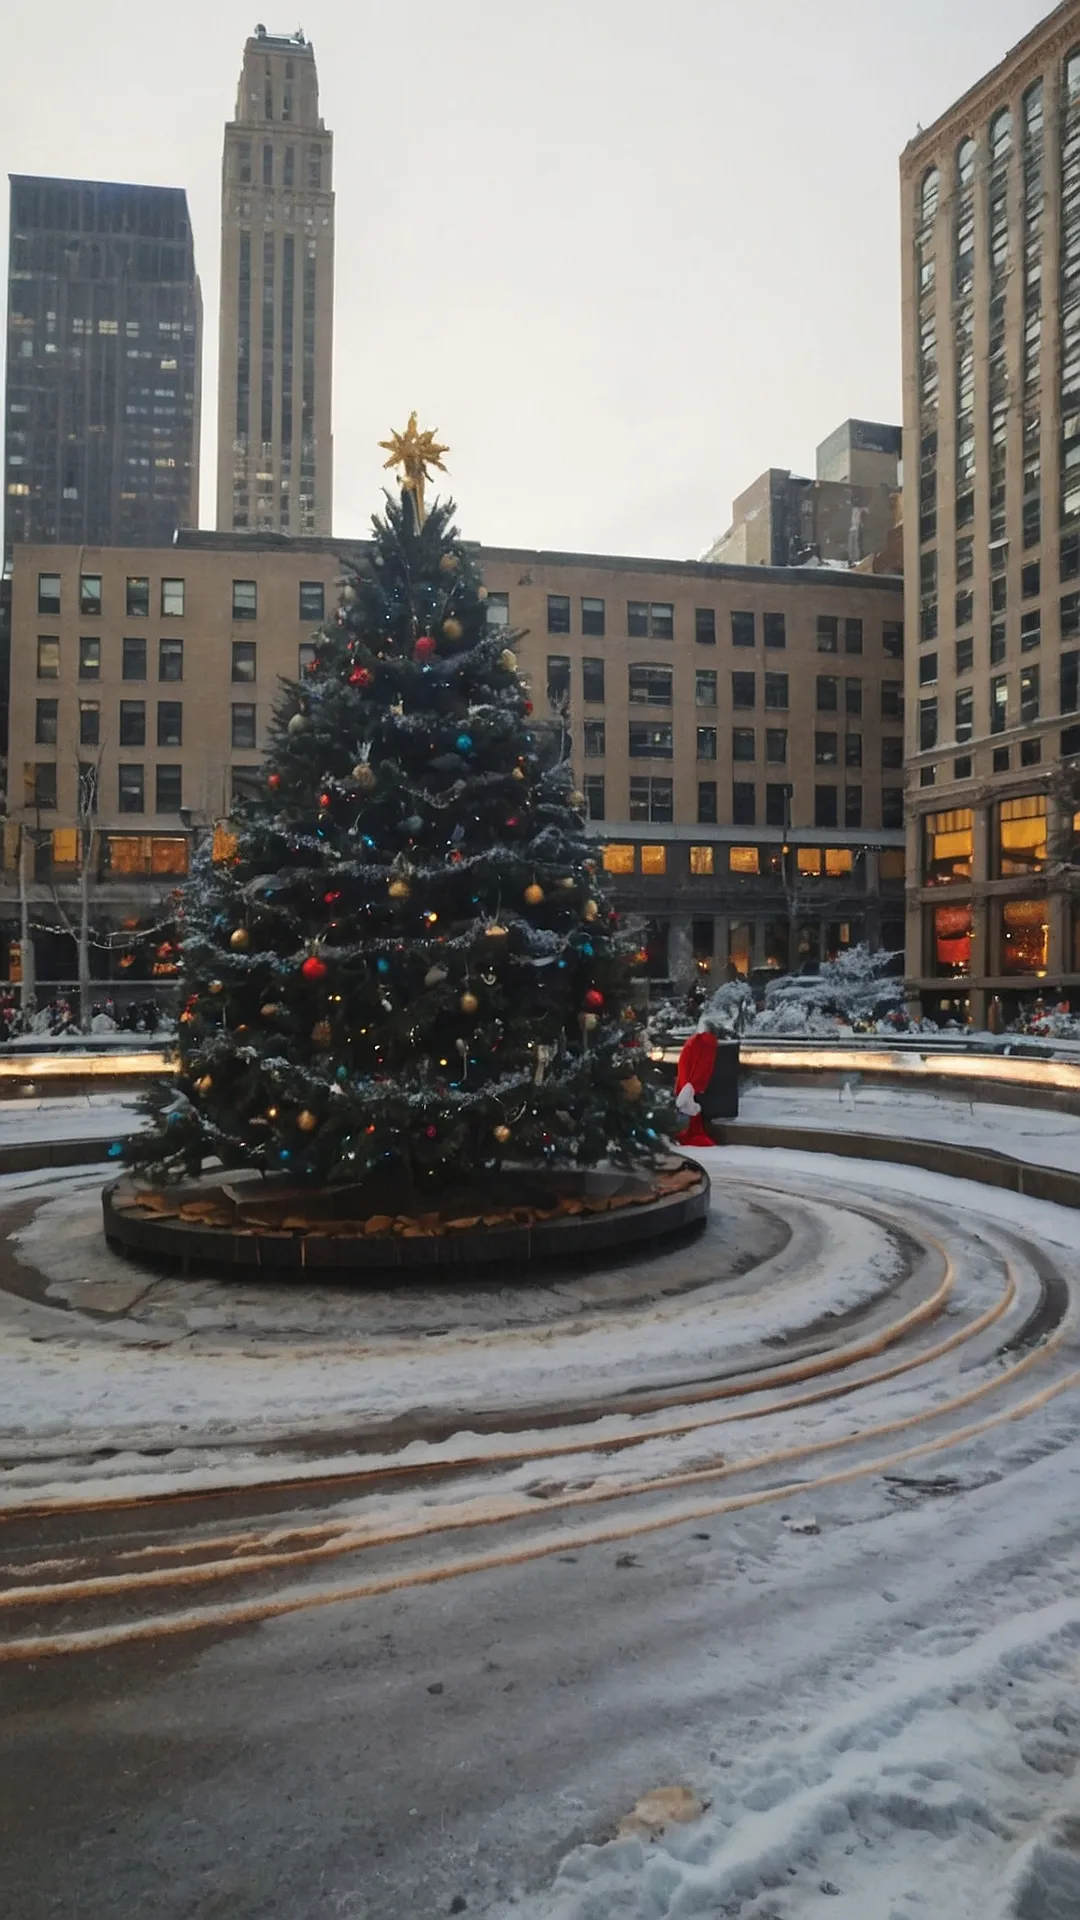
{"points": [[270, 1009], [239, 938], [577, 799], [502, 1135], [299, 724], [204, 1085], [508, 659], [348, 594], [306, 1121], [481, 593], [590, 910], [399, 889], [533, 895], [632, 1088], [216, 986], [518, 773], [449, 563], [568, 880], [587, 1022], [495, 931], [364, 775], [468, 1002], [452, 628]]}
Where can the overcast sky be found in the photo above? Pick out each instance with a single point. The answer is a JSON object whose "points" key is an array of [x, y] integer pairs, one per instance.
{"points": [[623, 255]]}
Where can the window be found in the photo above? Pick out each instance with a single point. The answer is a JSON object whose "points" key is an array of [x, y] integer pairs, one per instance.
{"points": [[965, 656], [997, 642], [288, 175], [892, 699], [706, 742], [852, 808], [89, 723], [853, 749], [825, 749], [743, 689], [650, 686], [827, 693], [999, 593], [1025, 937], [1022, 835], [558, 613], [928, 724], [828, 633], [776, 746], [892, 806], [965, 608], [595, 746], [651, 740], [706, 803], [744, 860], [243, 726], [743, 804], [826, 812], [1030, 753], [312, 600], [777, 804], [138, 853], [592, 616], [1001, 760], [48, 593], [243, 659], [45, 722], [90, 659], [928, 776], [637, 619], [662, 620], [965, 557], [1070, 616], [965, 715], [704, 688], [618, 859], [306, 655], [1032, 522], [244, 600], [742, 744], [170, 723], [267, 164], [1030, 631], [243, 163], [48, 658], [172, 599], [1070, 682], [1069, 558], [594, 795], [90, 593], [650, 797], [961, 767], [999, 701], [853, 636], [654, 861], [928, 622], [314, 167], [1029, 695], [133, 660], [137, 598], [1031, 580], [892, 639], [43, 784], [775, 630], [132, 723], [497, 609], [809, 862], [701, 862], [558, 678], [776, 691], [169, 796], [742, 630], [592, 680], [928, 670], [170, 659], [131, 793], [892, 750], [705, 626], [853, 696]]}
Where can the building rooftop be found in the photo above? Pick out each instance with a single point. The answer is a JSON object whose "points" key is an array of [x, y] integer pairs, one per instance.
{"points": [[1046, 29], [283, 42]]}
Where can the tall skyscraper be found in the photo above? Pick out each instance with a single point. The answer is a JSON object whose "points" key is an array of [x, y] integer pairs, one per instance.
{"points": [[103, 364], [275, 455], [991, 229]]}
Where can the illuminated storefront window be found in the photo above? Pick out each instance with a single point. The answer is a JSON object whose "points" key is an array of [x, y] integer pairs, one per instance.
{"points": [[1024, 936], [740, 946], [951, 940], [838, 862], [701, 860], [809, 861], [654, 860], [743, 860], [1022, 835], [145, 853], [948, 844], [619, 859]]}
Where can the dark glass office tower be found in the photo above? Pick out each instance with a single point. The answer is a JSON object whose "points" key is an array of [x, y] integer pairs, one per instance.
{"points": [[103, 363]]}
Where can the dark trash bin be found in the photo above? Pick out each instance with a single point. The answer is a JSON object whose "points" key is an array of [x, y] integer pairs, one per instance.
{"points": [[720, 1100]]}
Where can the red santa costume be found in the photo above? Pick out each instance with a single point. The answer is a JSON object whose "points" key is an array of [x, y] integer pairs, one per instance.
{"points": [[694, 1071]]}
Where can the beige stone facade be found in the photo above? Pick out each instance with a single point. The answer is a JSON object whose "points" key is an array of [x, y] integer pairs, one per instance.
{"points": [[275, 451], [991, 260], [737, 731]]}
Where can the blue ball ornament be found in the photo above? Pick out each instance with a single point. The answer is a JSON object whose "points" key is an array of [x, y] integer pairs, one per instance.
{"points": [[342, 1073], [464, 742], [115, 1150], [382, 966], [587, 951], [284, 1154]]}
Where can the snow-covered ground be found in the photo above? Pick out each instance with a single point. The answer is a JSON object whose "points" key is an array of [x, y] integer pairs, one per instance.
{"points": [[80, 1116], [1042, 1137]]}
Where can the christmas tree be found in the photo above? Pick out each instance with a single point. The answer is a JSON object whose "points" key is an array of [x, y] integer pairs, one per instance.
{"points": [[407, 966]]}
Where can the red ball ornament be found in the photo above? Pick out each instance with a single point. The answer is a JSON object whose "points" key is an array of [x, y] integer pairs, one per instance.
{"points": [[432, 1133], [360, 677], [528, 706], [330, 898], [424, 647], [273, 782], [594, 999], [513, 821], [324, 799], [313, 968]]}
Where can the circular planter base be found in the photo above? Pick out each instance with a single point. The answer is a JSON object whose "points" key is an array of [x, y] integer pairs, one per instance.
{"points": [[528, 1217]]}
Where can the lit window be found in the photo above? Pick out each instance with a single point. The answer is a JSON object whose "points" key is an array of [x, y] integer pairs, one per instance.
{"points": [[743, 860], [838, 861], [654, 860], [808, 860], [618, 859], [48, 659], [1022, 835], [948, 845], [701, 860]]}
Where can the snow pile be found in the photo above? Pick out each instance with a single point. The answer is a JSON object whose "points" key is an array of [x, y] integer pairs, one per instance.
{"points": [[855, 991], [952, 1779]]}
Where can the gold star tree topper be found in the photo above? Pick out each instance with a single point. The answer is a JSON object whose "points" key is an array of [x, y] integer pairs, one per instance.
{"points": [[415, 452]]}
